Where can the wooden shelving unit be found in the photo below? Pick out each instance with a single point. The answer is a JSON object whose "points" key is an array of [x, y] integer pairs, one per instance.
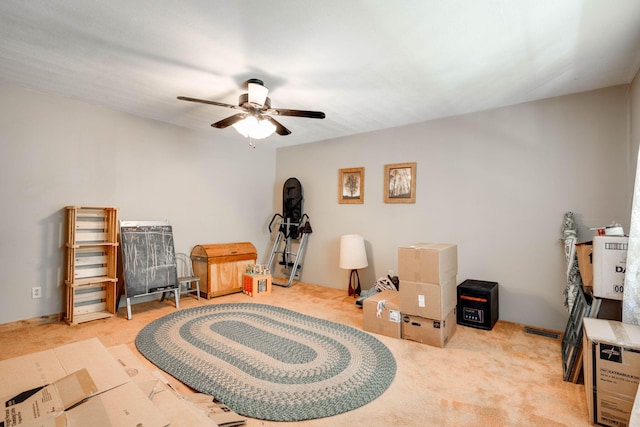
{"points": [[91, 271]]}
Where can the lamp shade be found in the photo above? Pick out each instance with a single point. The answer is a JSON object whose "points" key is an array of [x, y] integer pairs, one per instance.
{"points": [[352, 252]]}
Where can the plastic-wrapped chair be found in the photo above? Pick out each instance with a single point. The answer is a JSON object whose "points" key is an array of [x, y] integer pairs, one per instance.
{"points": [[189, 283]]}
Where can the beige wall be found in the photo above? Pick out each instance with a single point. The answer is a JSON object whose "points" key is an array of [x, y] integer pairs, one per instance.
{"points": [[497, 183], [56, 152]]}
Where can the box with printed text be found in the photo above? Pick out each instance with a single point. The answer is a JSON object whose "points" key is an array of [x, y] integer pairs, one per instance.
{"points": [[436, 333], [611, 354], [609, 266], [381, 314]]}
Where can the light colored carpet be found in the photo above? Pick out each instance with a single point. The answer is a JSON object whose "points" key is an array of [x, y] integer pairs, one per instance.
{"points": [[502, 377]]}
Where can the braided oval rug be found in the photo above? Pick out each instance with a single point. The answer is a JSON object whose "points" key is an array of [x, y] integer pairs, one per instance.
{"points": [[270, 363]]}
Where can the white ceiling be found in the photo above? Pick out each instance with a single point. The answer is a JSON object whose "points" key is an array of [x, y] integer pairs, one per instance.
{"points": [[368, 64]]}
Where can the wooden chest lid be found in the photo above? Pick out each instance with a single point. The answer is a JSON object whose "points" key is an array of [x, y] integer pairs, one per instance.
{"points": [[223, 250]]}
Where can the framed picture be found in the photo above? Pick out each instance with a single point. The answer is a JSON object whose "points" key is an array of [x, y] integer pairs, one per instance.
{"points": [[351, 185], [400, 183]]}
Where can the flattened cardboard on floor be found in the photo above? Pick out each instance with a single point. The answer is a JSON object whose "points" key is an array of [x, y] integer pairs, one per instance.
{"points": [[128, 406], [123, 405], [381, 314], [36, 406], [611, 354], [428, 300], [159, 391], [220, 413], [428, 262], [45, 367]]}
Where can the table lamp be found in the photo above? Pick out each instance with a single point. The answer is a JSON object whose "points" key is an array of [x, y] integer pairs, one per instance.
{"points": [[352, 257]]}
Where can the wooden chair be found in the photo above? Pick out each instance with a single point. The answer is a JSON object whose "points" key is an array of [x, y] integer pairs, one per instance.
{"points": [[188, 282]]}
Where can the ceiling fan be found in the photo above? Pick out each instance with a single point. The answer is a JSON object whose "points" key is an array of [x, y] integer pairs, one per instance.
{"points": [[255, 119]]}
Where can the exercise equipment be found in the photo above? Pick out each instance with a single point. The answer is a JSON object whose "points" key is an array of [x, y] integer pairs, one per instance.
{"points": [[293, 229]]}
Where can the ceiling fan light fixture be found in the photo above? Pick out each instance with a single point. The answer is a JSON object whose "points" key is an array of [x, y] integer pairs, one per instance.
{"points": [[257, 93], [255, 119], [254, 128]]}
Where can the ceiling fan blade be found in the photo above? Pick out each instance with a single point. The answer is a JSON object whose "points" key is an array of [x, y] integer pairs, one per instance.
{"points": [[204, 101], [280, 129], [229, 121], [297, 113]]}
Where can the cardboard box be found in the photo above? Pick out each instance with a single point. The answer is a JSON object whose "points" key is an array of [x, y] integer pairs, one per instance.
{"points": [[611, 355], [218, 413], [609, 266], [256, 285], [428, 262], [634, 420], [428, 300], [381, 314], [427, 331], [86, 369], [584, 252]]}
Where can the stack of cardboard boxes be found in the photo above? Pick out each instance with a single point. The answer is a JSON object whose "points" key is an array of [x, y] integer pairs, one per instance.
{"points": [[611, 348], [427, 273], [424, 309]]}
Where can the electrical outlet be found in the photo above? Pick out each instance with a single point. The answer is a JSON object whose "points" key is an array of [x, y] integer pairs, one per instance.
{"points": [[36, 292]]}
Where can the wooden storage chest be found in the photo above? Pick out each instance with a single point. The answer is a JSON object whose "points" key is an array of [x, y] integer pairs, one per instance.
{"points": [[220, 267]]}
